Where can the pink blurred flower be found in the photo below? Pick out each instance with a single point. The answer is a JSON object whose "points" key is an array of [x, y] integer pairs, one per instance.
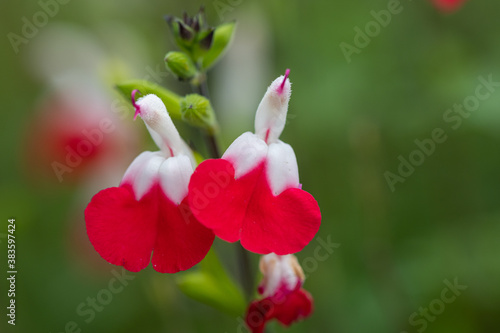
{"points": [[448, 5], [73, 134]]}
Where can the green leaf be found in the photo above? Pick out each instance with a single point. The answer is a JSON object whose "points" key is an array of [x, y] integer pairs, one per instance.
{"points": [[222, 37], [169, 98], [212, 286]]}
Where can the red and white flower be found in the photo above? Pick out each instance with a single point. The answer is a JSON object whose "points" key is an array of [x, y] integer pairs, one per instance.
{"points": [[283, 296], [253, 193], [148, 212]]}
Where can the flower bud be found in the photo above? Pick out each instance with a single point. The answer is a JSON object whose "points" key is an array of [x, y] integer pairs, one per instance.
{"points": [[202, 43], [280, 272], [183, 33], [180, 65], [284, 299], [197, 111]]}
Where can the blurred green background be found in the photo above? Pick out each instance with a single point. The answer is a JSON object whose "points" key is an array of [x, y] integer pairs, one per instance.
{"points": [[348, 123]]}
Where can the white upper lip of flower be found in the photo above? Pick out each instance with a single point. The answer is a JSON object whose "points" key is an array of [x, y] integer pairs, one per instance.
{"points": [[160, 126], [250, 149], [270, 118]]}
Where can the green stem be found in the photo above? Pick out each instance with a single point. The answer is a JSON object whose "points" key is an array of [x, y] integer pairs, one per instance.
{"points": [[246, 274], [244, 260], [203, 86], [212, 145], [211, 141]]}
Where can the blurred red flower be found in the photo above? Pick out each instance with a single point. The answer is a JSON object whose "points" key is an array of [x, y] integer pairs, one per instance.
{"points": [[448, 5]]}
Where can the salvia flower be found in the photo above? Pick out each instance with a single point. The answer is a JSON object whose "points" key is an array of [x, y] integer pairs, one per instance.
{"points": [[253, 193], [148, 212], [283, 296]]}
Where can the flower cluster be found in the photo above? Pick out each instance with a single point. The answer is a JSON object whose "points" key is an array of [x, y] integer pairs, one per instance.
{"points": [[251, 194], [167, 206]]}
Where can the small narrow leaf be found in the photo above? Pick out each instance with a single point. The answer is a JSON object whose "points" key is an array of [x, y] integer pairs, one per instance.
{"points": [[169, 98]]}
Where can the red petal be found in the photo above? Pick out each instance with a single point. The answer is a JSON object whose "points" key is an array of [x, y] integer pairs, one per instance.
{"points": [[298, 305], [247, 209], [182, 241], [295, 306], [257, 317], [284, 224], [217, 200], [122, 229]]}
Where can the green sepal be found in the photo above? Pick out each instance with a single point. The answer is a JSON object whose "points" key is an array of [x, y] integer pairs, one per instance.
{"points": [[197, 111], [183, 34], [222, 37], [202, 45]]}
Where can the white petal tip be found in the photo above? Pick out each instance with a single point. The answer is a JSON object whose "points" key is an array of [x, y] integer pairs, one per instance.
{"points": [[282, 86], [149, 107]]}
